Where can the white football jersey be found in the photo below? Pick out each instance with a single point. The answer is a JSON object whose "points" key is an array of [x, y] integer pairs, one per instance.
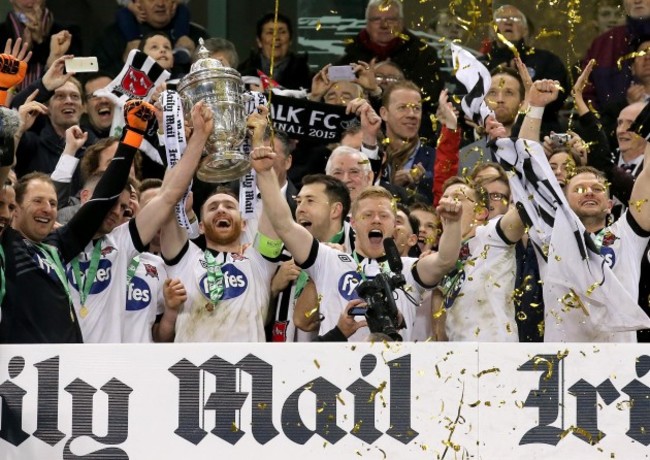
{"points": [[241, 313], [144, 299], [479, 303], [102, 319], [337, 276]]}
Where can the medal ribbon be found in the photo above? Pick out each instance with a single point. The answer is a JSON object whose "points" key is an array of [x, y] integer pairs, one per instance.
{"points": [[85, 284], [215, 277], [133, 266], [304, 277], [52, 255]]}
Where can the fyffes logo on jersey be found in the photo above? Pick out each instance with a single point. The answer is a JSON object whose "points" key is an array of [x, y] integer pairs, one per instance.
{"points": [[138, 295], [234, 283], [348, 285], [102, 277]]}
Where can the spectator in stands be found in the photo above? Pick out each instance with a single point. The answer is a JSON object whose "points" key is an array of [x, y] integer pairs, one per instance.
{"points": [[385, 37], [112, 47], [446, 25], [387, 73], [505, 98], [98, 115], [221, 49], [430, 227], [541, 64], [32, 21], [59, 101], [409, 162], [290, 70], [610, 82], [132, 15], [609, 14]]}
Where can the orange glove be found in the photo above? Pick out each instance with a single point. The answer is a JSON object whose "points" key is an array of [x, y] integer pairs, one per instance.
{"points": [[137, 114], [12, 72]]}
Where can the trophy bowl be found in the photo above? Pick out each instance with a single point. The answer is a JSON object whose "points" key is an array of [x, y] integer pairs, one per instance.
{"points": [[222, 89]]}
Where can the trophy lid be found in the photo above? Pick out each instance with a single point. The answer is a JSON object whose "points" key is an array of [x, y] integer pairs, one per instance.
{"points": [[205, 61]]}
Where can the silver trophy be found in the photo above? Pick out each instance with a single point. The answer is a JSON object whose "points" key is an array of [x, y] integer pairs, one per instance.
{"points": [[223, 90]]}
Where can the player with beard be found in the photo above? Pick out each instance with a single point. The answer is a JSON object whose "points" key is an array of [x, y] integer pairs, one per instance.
{"points": [[43, 312], [505, 98], [228, 284], [100, 274], [337, 274]]}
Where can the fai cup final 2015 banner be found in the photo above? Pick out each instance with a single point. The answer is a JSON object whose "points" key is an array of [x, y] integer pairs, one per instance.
{"points": [[325, 401]]}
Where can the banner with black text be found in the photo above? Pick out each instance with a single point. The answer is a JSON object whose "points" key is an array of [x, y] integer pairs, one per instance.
{"points": [[324, 401]]}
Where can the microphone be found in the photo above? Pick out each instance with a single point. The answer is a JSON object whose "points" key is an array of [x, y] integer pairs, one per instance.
{"points": [[9, 124], [393, 257]]}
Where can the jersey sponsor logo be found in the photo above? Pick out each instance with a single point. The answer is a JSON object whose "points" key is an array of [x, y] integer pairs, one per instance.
{"points": [[609, 255], [46, 266], [102, 277], [150, 270], [138, 295], [235, 283], [348, 285]]}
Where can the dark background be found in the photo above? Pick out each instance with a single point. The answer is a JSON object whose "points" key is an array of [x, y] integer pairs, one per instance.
{"points": [[565, 31]]}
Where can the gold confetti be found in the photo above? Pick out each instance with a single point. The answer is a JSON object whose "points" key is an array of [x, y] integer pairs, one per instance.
{"points": [[318, 26], [506, 42], [635, 54], [488, 371], [262, 406], [474, 404], [317, 364]]}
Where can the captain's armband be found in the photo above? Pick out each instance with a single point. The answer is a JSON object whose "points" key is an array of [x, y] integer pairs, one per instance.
{"points": [[268, 247]]}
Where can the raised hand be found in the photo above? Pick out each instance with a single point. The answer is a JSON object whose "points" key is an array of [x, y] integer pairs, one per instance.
{"points": [[55, 77], [449, 210], [370, 121], [579, 87], [29, 111], [320, 84], [494, 129], [137, 115], [262, 159], [75, 138], [12, 72], [446, 112], [202, 119], [19, 49], [256, 123], [543, 92]]}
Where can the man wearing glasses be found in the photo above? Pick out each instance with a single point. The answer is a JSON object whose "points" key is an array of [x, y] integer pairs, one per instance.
{"points": [[512, 28], [385, 37]]}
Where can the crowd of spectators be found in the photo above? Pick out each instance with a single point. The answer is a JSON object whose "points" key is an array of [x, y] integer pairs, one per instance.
{"points": [[101, 243]]}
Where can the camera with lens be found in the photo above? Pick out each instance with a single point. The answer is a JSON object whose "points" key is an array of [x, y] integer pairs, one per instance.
{"points": [[382, 313]]}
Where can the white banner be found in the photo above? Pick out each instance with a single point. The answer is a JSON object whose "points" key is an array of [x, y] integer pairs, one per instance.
{"points": [[324, 401]]}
